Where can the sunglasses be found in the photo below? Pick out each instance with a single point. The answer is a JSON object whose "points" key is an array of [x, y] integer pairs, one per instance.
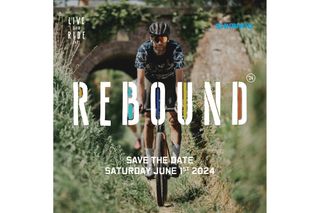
{"points": [[156, 39]]}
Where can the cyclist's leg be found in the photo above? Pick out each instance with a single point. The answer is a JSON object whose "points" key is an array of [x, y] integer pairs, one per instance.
{"points": [[175, 136], [175, 126], [148, 129], [134, 130], [175, 133], [148, 126]]}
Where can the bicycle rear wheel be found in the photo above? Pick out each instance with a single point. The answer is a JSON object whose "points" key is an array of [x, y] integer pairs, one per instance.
{"points": [[161, 179]]}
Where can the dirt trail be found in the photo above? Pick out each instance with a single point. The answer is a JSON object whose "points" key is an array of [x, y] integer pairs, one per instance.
{"points": [[168, 206], [221, 56]]}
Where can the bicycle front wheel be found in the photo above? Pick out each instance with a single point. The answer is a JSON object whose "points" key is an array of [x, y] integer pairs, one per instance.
{"points": [[161, 177]]}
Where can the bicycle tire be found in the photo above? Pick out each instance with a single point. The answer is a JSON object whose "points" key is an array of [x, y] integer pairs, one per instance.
{"points": [[161, 179]]}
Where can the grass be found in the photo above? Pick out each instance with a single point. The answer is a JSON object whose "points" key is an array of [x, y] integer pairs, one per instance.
{"points": [[81, 154], [115, 77]]}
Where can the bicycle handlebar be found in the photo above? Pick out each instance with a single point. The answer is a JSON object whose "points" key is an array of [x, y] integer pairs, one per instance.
{"points": [[170, 109]]}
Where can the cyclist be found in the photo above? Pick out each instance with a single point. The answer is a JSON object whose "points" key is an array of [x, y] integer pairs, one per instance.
{"points": [[159, 60]]}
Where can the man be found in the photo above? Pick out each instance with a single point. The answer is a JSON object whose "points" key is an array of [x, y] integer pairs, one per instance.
{"points": [[159, 60]]}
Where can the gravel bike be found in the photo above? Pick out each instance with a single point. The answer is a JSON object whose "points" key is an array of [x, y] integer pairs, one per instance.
{"points": [[161, 154]]}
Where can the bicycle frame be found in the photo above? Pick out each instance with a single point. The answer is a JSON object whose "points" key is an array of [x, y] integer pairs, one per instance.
{"points": [[162, 150]]}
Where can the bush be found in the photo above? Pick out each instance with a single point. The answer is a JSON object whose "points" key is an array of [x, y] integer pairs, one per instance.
{"points": [[81, 154]]}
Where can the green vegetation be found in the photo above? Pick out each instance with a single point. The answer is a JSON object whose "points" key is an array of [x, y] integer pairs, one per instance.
{"points": [[193, 26], [246, 150], [119, 133], [116, 78], [81, 154], [255, 40], [207, 3], [107, 19]]}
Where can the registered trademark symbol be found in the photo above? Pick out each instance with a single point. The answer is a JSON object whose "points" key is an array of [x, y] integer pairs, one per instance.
{"points": [[251, 77]]}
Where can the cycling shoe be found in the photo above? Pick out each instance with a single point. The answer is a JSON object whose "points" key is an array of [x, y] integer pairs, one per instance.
{"points": [[175, 170], [149, 173]]}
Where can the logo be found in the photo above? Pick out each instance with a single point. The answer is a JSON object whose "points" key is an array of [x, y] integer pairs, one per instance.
{"points": [[251, 77], [76, 28], [245, 25]]}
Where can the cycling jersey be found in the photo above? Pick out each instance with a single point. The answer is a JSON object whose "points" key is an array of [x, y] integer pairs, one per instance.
{"points": [[159, 67]]}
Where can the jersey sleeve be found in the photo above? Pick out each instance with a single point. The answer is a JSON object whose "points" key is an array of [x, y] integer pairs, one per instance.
{"points": [[141, 58], [178, 57]]}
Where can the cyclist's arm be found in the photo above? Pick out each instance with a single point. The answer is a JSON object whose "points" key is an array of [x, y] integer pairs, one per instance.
{"points": [[140, 82], [179, 76], [178, 59]]}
